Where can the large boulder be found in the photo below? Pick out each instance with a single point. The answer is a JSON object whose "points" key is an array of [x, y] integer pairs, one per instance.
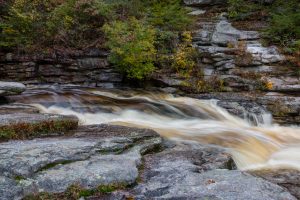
{"points": [[225, 33], [11, 88], [96, 155], [201, 172]]}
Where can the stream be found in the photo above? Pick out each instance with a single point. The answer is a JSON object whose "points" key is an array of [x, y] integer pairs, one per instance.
{"points": [[252, 144]]}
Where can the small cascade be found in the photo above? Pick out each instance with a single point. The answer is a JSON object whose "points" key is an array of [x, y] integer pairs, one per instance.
{"points": [[253, 141]]}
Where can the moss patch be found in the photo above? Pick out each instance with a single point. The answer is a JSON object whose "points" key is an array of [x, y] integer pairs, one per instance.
{"points": [[74, 192], [27, 130]]}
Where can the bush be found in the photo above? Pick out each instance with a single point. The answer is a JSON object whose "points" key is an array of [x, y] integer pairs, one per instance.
{"points": [[241, 9], [71, 23], [284, 26], [141, 34], [168, 15], [185, 56], [78, 23], [132, 47]]}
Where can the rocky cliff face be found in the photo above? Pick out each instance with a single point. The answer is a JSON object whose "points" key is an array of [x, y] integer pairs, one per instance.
{"points": [[87, 68]]}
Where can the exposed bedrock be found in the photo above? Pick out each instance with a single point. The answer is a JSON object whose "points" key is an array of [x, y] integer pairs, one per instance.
{"points": [[11, 88], [95, 155]]}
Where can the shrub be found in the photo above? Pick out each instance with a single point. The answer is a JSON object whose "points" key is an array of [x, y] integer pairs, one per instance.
{"points": [[284, 28], [46, 23], [132, 47], [241, 9], [168, 15], [78, 23], [184, 59]]}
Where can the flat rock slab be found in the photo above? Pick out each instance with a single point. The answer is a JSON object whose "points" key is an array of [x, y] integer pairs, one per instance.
{"points": [[11, 88], [54, 164], [24, 125], [199, 172], [17, 108], [16, 118]]}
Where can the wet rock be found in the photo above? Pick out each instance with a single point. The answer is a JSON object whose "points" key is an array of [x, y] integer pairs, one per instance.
{"points": [[17, 108], [250, 111], [11, 88], [285, 109], [95, 155], [11, 119], [200, 173]]}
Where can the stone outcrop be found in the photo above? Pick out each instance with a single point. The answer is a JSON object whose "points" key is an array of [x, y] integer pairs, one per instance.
{"points": [[99, 155], [284, 109], [96, 155], [88, 68], [235, 56], [11, 88], [192, 171]]}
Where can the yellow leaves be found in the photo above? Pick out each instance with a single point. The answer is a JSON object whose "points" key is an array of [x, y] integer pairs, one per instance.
{"points": [[269, 85], [266, 84], [187, 36], [8, 30], [68, 21], [184, 57]]}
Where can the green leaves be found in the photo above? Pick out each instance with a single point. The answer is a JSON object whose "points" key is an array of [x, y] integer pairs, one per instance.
{"points": [[132, 47]]}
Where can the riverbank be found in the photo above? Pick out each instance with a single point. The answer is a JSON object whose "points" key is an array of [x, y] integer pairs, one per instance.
{"points": [[117, 162], [227, 130]]}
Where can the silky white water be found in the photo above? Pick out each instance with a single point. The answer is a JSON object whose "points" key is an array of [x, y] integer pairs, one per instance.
{"points": [[264, 145]]}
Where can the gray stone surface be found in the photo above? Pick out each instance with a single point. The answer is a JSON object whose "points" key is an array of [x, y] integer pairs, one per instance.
{"points": [[195, 172], [11, 88], [95, 155], [9, 190], [89, 68], [17, 108], [263, 55], [287, 178], [203, 2], [225, 33], [24, 118]]}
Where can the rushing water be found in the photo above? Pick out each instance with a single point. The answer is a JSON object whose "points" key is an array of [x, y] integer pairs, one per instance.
{"points": [[252, 146]]}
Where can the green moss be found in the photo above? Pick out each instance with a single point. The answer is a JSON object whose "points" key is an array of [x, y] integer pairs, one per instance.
{"points": [[74, 192], [19, 178], [27, 130], [51, 165]]}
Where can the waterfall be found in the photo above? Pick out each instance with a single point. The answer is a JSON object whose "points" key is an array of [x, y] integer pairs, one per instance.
{"points": [[254, 142]]}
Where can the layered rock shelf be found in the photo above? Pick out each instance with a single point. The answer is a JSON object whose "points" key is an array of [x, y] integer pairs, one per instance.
{"points": [[88, 68], [48, 155], [144, 164]]}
